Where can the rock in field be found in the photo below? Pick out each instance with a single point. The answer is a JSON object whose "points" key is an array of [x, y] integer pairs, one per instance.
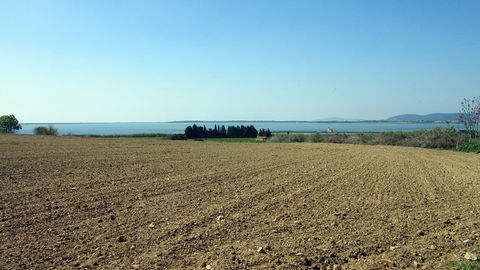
{"points": [[388, 262], [470, 256]]}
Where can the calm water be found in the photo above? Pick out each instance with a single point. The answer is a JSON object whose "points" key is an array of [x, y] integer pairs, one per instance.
{"points": [[165, 127]]}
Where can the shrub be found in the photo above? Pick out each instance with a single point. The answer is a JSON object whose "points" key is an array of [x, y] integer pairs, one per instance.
{"points": [[298, 138], [280, 138], [436, 138], [316, 137], [360, 138], [443, 138], [336, 138], [469, 147], [177, 137], [364, 138], [392, 138], [45, 131]]}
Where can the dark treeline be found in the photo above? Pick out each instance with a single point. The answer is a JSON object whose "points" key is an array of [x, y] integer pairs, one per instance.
{"points": [[242, 131], [265, 133]]}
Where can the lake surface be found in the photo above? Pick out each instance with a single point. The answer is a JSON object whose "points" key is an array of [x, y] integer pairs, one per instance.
{"points": [[172, 127]]}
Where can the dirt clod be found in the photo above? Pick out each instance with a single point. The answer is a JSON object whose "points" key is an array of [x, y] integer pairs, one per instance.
{"points": [[420, 233], [122, 239], [307, 262]]}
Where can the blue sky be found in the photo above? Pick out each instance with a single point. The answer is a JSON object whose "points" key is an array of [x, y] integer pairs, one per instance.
{"points": [[81, 61]]}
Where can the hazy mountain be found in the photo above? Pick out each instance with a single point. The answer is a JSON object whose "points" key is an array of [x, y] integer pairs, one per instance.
{"points": [[424, 118]]}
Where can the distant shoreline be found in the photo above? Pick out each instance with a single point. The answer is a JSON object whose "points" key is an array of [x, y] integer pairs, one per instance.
{"points": [[274, 126], [247, 121]]}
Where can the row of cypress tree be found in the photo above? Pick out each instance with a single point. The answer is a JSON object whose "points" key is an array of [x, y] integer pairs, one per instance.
{"points": [[265, 132], [242, 131]]}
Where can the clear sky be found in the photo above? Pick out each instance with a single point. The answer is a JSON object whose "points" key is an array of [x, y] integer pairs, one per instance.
{"points": [[88, 61]]}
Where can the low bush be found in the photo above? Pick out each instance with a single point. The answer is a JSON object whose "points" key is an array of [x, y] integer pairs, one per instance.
{"points": [[360, 138], [436, 138], [280, 138], [315, 137], [391, 138], [298, 138], [336, 138], [45, 131], [443, 138], [177, 137], [469, 147], [289, 138]]}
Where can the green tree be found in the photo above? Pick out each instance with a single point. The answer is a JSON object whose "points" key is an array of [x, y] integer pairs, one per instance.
{"points": [[45, 131], [189, 132], [8, 124]]}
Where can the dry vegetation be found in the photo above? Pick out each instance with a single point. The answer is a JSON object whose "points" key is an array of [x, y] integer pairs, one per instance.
{"points": [[69, 202]]}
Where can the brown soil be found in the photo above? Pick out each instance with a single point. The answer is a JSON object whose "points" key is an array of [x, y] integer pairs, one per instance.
{"points": [[71, 202]]}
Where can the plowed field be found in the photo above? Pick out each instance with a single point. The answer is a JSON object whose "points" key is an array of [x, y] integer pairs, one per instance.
{"points": [[68, 202]]}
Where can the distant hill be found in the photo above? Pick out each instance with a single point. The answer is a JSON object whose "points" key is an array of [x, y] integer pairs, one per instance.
{"points": [[424, 118]]}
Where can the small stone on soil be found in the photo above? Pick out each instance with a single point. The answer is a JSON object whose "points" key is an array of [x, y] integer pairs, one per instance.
{"points": [[470, 256], [388, 262], [261, 250], [221, 217], [208, 266], [151, 225]]}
